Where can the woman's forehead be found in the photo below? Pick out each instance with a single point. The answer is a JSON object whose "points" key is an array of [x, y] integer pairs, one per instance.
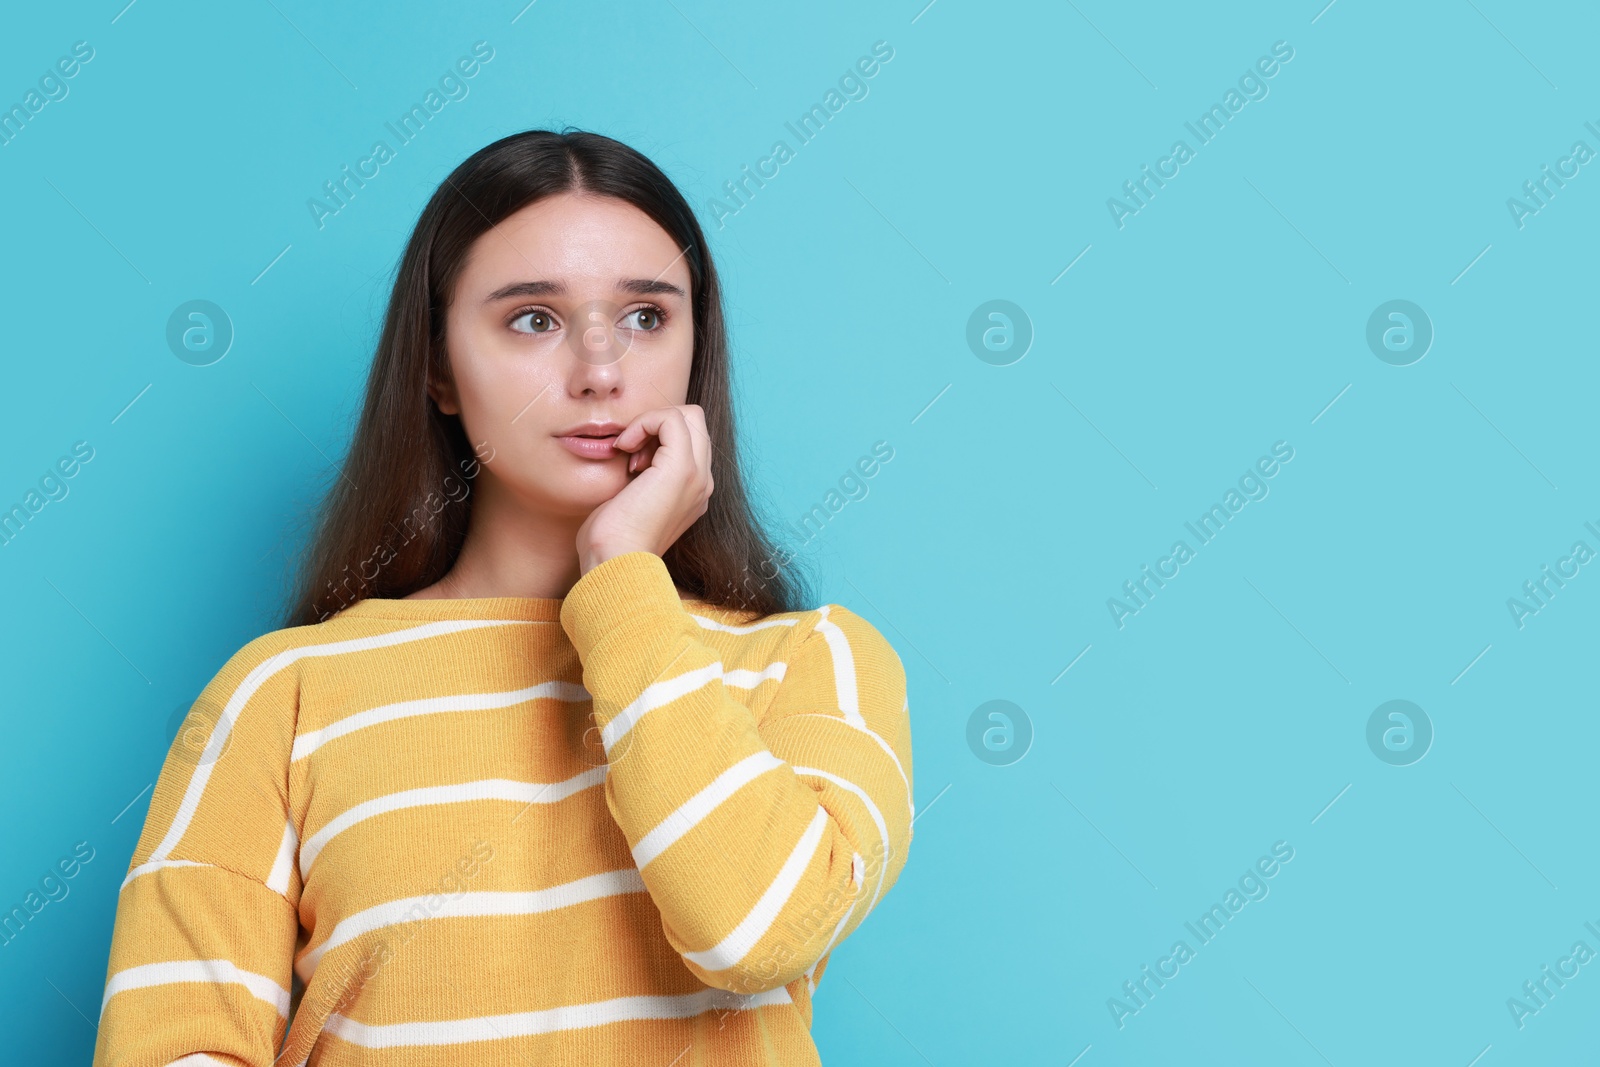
{"points": [[568, 238]]}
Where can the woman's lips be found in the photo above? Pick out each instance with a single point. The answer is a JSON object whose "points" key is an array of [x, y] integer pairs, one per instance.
{"points": [[591, 447]]}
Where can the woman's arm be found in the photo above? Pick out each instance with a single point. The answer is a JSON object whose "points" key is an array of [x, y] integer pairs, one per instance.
{"points": [[208, 916], [762, 844]]}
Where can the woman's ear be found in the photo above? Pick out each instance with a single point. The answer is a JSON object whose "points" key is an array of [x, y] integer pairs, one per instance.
{"points": [[443, 393]]}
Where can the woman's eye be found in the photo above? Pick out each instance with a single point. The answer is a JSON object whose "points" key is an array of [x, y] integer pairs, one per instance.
{"points": [[651, 318], [537, 322]]}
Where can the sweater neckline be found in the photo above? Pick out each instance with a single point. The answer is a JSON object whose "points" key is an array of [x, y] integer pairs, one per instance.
{"points": [[520, 608]]}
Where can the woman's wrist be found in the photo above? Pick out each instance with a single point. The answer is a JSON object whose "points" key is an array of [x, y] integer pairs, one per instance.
{"points": [[592, 556], [632, 603]]}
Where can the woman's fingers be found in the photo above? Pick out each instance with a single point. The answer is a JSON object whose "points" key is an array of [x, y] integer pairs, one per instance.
{"points": [[641, 459], [691, 424], [699, 437], [645, 425], [638, 437], [651, 513], [680, 431], [642, 438]]}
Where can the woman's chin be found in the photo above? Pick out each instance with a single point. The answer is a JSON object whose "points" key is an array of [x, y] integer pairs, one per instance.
{"points": [[595, 487]]}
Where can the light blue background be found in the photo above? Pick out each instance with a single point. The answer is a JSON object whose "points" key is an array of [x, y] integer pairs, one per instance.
{"points": [[1225, 316]]}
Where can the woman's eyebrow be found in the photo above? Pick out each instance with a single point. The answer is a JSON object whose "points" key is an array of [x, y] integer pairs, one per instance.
{"points": [[637, 286], [650, 286]]}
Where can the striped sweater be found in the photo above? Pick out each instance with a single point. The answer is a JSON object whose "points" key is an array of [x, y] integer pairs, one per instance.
{"points": [[621, 827]]}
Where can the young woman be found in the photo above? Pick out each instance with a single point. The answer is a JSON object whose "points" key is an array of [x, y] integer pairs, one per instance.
{"points": [[549, 765]]}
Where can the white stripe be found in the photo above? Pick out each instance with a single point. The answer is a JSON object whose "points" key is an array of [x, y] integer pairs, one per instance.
{"points": [[712, 624], [844, 668], [811, 981], [257, 678], [910, 807], [737, 945], [278, 880], [198, 1059], [662, 693], [483, 789], [857, 867], [654, 697], [219, 972], [463, 905], [523, 1024], [156, 865], [697, 807], [877, 818], [311, 740], [741, 678]]}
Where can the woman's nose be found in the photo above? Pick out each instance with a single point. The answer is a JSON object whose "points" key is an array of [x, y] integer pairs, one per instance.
{"points": [[594, 338], [598, 350], [597, 340]]}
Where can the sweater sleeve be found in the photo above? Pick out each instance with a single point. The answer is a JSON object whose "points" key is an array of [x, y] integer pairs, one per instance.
{"points": [[762, 843], [207, 918]]}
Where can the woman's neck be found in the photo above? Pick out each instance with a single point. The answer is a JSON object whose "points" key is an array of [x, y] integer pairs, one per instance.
{"points": [[511, 550]]}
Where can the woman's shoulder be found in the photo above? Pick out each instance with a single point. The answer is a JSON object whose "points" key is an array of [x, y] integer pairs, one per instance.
{"points": [[269, 653], [267, 671], [731, 616], [833, 625]]}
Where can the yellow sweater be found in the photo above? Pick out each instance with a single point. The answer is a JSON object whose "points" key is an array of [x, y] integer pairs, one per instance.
{"points": [[616, 828]]}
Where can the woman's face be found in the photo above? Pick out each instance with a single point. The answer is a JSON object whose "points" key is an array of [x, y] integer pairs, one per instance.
{"points": [[572, 313]]}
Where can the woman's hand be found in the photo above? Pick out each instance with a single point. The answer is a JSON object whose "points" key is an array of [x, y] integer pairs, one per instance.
{"points": [[669, 488]]}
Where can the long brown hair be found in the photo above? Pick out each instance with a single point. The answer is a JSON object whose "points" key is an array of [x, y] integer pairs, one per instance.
{"points": [[394, 519]]}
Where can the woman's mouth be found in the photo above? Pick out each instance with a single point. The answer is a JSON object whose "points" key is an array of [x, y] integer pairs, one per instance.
{"points": [[594, 439], [590, 446]]}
